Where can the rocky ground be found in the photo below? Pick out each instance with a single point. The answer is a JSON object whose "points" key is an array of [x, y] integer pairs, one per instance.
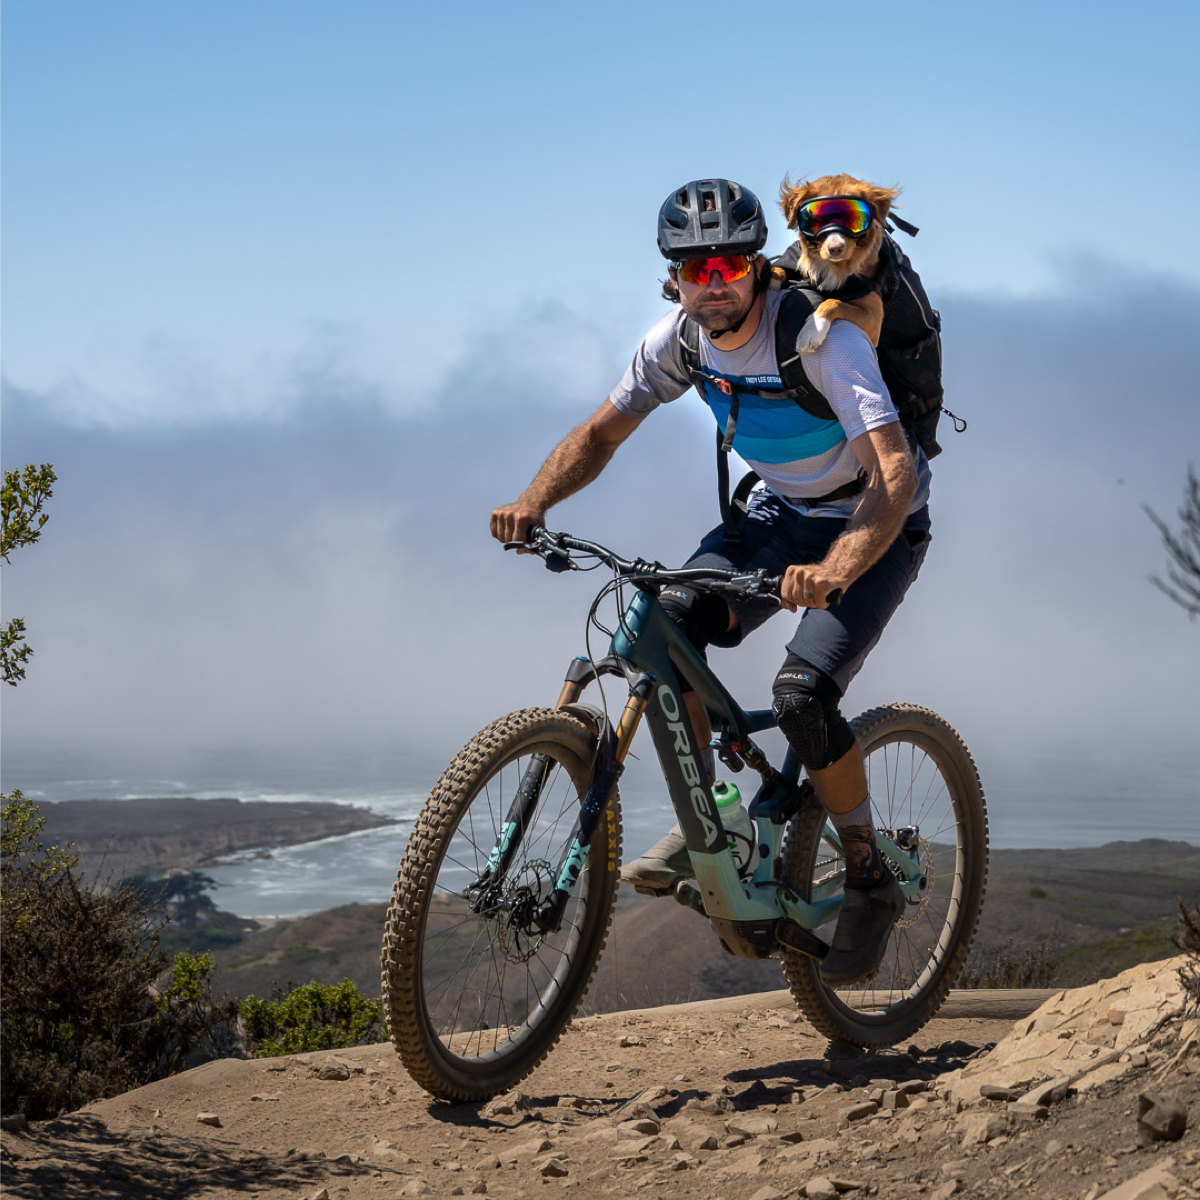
{"points": [[734, 1098]]}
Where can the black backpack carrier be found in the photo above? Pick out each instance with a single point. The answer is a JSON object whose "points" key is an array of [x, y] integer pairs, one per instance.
{"points": [[910, 343], [909, 352]]}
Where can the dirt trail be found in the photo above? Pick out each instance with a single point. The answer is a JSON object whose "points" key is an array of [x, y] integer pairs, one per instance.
{"points": [[700, 1100]]}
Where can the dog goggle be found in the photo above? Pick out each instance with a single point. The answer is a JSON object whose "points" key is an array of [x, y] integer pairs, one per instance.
{"points": [[700, 270], [827, 213]]}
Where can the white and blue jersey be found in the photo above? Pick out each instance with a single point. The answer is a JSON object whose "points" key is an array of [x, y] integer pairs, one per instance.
{"points": [[798, 456]]}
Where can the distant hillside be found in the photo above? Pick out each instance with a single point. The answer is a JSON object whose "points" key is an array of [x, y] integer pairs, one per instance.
{"points": [[115, 838]]}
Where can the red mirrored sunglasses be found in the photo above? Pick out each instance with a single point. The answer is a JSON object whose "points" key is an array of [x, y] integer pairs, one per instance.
{"points": [[730, 267]]}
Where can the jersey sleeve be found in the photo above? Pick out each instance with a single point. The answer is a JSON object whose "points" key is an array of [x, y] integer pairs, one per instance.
{"points": [[845, 370], [656, 375]]}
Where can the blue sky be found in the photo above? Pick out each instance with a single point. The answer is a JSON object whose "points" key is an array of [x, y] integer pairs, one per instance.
{"points": [[198, 197], [293, 293]]}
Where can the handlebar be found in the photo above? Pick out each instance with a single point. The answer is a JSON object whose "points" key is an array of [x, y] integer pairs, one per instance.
{"points": [[560, 551]]}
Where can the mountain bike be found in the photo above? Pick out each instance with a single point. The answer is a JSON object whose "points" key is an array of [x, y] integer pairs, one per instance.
{"points": [[504, 897]]}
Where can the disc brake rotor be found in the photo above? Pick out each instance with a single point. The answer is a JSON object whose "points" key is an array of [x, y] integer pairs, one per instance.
{"points": [[520, 939]]}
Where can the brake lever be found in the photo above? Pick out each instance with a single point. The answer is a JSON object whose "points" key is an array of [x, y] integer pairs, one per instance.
{"points": [[776, 582], [556, 560]]}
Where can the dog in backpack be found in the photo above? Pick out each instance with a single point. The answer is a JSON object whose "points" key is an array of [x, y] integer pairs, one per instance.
{"points": [[840, 223]]}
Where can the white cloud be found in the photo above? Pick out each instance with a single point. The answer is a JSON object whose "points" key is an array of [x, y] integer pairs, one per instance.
{"points": [[320, 577]]}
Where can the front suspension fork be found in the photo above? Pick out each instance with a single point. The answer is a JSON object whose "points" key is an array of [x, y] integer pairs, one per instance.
{"points": [[610, 755], [610, 763]]}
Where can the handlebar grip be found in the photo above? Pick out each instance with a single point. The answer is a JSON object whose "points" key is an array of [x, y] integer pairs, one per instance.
{"points": [[531, 536], [775, 582]]}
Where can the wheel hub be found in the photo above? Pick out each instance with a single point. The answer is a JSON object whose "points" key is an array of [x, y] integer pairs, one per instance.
{"points": [[917, 904], [517, 909]]}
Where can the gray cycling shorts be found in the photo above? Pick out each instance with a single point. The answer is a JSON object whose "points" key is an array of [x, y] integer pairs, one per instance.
{"points": [[776, 536]]}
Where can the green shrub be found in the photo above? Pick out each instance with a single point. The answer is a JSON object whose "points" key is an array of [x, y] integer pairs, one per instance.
{"points": [[22, 497], [315, 1016], [1187, 939], [1105, 957], [89, 1006]]}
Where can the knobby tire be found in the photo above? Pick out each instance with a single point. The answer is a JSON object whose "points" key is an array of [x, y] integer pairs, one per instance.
{"points": [[920, 773], [473, 1004]]}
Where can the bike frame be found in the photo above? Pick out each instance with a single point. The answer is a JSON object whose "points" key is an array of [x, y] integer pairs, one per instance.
{"points": [[650, 651]]}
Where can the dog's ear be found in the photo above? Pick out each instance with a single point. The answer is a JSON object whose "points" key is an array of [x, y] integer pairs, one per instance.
{"points": [[880, 199], [791, 198]]}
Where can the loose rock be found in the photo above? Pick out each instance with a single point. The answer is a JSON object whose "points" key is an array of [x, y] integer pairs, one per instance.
{"points": [[1157, 1183], [980, 1128], [859, 1112], [1022, 1115], [640, 1128], [768, 1193], [1050, 1092], [1161, 1118], [507, 1105], [752, 1126], [209, 1118], [416, 1187]]}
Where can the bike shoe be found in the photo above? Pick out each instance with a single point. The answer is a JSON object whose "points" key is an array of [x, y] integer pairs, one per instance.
{"points": [[863, 928], [661, 867]]}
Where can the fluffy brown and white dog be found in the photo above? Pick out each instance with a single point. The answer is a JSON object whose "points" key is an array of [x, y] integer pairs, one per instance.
{"points": [[832, 258]]}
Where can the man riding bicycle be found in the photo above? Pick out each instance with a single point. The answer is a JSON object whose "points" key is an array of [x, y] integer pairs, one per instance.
{"points": [[841, 508]]}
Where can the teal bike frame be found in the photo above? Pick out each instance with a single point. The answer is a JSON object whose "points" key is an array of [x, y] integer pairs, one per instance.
{"points": [[750, 915]]}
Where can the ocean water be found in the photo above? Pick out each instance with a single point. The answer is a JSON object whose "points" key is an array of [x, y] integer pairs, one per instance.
{"points": [[1035, 804]]}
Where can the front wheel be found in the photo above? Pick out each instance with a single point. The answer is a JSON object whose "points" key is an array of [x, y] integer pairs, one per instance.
{"points": [[921, 775], [475, 993]]}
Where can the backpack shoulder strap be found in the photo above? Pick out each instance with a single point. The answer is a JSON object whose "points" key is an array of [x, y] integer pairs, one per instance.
{"points": [[795, 308], [689, 347]]}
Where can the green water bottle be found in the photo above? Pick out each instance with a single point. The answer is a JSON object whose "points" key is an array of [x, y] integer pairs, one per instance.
{"points": [[736, 821]]}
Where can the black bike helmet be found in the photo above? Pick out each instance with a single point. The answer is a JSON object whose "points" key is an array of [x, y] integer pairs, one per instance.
{"points": [[710, 216]]}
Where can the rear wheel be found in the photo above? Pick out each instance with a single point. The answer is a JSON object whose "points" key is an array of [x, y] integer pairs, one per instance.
{"points": [[474, 993], [922, 776]]}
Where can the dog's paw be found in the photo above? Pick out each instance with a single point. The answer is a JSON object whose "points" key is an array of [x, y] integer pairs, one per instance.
{"points": [[812, 334]]}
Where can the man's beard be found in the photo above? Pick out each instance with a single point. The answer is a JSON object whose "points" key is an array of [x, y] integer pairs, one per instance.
{"points": [[716, 323]]}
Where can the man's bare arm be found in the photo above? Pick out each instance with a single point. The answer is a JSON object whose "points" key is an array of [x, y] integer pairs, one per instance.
{"points": [[891, 483], [572, 465]]}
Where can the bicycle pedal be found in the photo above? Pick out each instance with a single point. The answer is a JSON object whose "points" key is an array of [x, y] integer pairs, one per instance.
{"points": [[649, 891], [689, 896], [796, 937]]}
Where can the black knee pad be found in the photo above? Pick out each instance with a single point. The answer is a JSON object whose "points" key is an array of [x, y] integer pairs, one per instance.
{"points": [[703, 616], [806, 707]]}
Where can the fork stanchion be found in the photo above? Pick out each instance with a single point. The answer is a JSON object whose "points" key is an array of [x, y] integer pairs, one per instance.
{"points": [[635, 707]]}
